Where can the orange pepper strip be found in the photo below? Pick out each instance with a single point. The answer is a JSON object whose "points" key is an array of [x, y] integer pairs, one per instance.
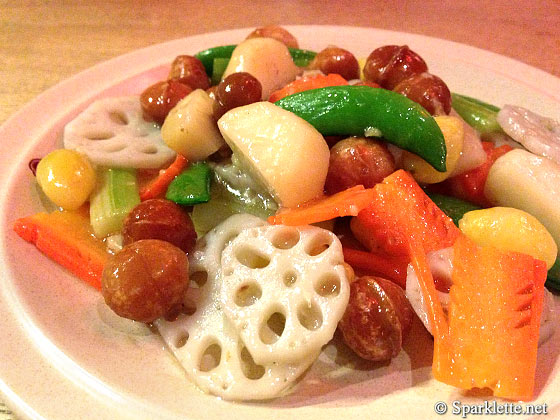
{"points": [[66, 238], [345, 203], [307, 83], [158, 186], [387, 266]]}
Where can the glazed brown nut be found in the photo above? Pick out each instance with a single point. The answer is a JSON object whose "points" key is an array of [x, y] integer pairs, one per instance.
{"points": [[429, 91], [336, 60], [190, 71], [276, 32], [160, 98], [376, 318], [391, 64], [358, 161], [160, 219], [146, 280], [237, 89]]}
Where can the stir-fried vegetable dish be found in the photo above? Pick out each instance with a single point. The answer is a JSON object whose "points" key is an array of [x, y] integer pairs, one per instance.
{"points": [[264, 196]]}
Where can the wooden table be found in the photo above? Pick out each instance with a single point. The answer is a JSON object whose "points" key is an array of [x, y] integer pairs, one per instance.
{"points": [[42, 43]]}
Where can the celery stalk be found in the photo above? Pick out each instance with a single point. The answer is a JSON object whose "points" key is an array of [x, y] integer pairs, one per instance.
{"points": [[115, 195]]}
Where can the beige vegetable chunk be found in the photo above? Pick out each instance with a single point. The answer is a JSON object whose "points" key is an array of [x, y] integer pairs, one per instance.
{"points": [[267, 59], [190, 129], [527, 182], [285, 153]]}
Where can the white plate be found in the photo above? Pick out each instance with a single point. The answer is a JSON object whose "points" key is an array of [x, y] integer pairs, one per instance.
{"points": [[59, 360]]}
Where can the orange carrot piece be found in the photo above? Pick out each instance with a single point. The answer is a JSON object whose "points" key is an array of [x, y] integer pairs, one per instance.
{"points": [[345, 203], [490, 336], [494, 317], [386, 266], [66, 237], [158, 186], [401, 210], [307, 83]]}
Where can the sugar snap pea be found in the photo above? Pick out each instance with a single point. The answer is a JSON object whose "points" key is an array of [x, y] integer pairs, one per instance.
{"points": [[362, 110]]}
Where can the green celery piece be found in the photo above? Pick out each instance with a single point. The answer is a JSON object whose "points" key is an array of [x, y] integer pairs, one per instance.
{"points": [[233, 191], [115, 195], [479, 115], [223, 204], [218, 69], [192, 186]]}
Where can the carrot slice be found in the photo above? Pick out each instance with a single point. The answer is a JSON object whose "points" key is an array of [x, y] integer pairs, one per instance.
{"points": [[494, 316], [345, 203], [307, 83], [401, 210], [490, 336], [66, 237], [158, 186]]}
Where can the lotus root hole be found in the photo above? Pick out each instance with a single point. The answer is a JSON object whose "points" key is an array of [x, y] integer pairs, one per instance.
{"points": [[272, 330], [328, 285], [149, 149], [248, 294], [251, 258], [181, 339], [189, 308], [310, 316], [210, 358], [199, 278], [118, 118], [114, 148], [290, 278], [318, 244], [99, 135], [286, 238], [250, 369]]}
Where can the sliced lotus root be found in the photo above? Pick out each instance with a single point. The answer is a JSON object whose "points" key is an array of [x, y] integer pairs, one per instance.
{"points": [[112, 132], [206, 343], [284, 289]]}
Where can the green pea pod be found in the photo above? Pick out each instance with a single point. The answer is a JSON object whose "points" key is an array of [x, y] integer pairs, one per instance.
{"points": [[362, 110], [479, 115], [218, 69], [453, 207], [191, 186], [301, 57], [207, 56]]}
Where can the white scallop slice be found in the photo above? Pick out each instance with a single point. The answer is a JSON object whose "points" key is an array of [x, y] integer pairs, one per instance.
{"points": [[195, 339], [284, 289], [112, 132], [538, 134]]}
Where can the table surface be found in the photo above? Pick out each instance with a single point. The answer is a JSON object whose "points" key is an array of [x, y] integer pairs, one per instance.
{"points": [[43, 43]]}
